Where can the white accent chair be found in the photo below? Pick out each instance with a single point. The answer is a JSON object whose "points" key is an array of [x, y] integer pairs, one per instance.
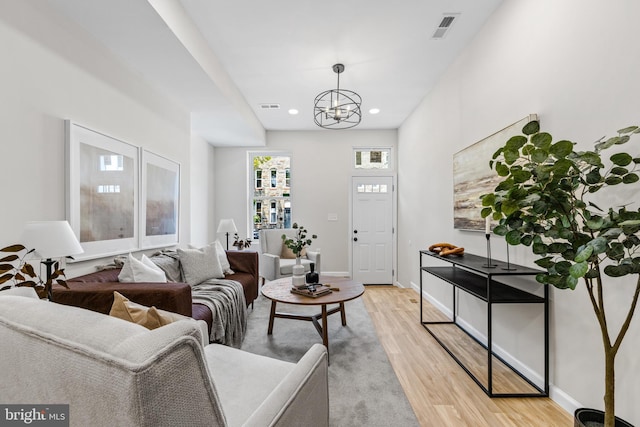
{"points": [[115, 373], [271, 264]]}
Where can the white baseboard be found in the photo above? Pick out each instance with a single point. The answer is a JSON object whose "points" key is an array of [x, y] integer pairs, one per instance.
{"points": [[565, 401], [534, 376], [443, 308], [336, 273]]}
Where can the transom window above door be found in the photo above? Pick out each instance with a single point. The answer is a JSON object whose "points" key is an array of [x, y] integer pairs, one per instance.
{"points": [[371, 158]]}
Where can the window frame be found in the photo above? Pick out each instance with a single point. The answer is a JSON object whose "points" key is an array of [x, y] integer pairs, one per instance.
{"points": [[363, 170], [273, 212], [266, 194]]}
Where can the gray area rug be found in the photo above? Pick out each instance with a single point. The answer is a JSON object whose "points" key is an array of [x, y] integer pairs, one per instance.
{"points": [[363, 388]]}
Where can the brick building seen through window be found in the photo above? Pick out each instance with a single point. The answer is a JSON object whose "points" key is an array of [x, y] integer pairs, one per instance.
{"points": [[271, 192]]}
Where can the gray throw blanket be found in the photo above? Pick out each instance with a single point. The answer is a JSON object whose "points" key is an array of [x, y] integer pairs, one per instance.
{"points": [[225, 299]]}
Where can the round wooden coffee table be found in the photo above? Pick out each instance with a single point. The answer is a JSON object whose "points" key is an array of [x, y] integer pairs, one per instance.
{"points": [[280, 291]]}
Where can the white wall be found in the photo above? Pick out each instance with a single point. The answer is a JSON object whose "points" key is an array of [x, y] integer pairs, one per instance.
{"points": [[53, 71], [203, 226], [321, 167], [575, 63]]}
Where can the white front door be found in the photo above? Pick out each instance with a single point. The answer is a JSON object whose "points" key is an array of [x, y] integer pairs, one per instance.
{"points": [[372, 233]]}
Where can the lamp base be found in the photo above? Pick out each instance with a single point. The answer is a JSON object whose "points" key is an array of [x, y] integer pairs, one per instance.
{"points": [[49, 284]]}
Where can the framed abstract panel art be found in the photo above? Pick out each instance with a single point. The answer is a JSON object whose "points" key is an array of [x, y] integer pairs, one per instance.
{"points": [[102, 191], [472, 176], [160, 201]]}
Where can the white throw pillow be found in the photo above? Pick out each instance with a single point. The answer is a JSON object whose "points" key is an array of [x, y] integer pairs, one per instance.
{"points": [[222, 256], [152, 265], [134, 271], [199, 265]]}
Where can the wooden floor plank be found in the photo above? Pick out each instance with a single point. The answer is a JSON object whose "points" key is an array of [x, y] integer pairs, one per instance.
{"points": [[439, 391]]}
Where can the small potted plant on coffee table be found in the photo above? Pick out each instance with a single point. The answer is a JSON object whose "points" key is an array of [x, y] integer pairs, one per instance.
{"points": [[299, 241]]}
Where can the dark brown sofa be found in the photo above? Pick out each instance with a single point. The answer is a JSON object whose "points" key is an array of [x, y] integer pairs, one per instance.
{"points": [[94, 291]]}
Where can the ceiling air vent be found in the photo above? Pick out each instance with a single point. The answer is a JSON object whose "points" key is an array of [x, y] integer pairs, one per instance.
{"points": [[270, 106], [445, 25]]}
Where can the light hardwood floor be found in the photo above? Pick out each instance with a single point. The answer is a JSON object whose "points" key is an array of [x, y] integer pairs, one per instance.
{"points": [[439, 391]]}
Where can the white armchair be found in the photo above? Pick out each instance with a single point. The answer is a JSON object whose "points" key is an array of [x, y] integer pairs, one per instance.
{"points": [[115, 373], [272, 265]]}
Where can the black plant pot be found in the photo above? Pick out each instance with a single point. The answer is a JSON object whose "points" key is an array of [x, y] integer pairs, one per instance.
{"points": [[586, 417]]}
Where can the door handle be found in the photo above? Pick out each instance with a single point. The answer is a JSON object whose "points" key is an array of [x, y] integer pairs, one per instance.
{"points": [[355, 239]]}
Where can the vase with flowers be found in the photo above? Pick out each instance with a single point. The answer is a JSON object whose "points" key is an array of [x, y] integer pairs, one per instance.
{"points": [[297, 245], [299, 242]]}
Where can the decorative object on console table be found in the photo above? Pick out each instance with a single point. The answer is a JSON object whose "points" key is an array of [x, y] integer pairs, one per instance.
{"points": [[487, 233], [445, 249], [51, 239], [544, 200], [227, 226], [508, 267]]}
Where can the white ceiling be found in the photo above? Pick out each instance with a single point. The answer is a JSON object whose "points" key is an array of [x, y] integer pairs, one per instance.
{"points": [[220, 60]]}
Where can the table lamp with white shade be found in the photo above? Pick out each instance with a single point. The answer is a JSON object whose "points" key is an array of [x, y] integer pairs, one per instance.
{"points": [[227, 226], [50, 239]]}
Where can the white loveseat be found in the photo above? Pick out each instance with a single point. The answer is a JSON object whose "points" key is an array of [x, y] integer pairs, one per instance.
{"points": [[272, 265], [115, 373]]}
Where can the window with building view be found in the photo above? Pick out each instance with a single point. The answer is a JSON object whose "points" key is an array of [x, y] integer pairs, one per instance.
{"points": [[368, 158], [271, 194]]}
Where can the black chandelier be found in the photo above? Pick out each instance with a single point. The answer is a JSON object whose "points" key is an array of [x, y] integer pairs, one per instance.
{"points": [[337, 108]]}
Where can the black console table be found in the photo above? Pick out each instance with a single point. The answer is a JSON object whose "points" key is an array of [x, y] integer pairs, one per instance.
{"points": [[470, 274]]}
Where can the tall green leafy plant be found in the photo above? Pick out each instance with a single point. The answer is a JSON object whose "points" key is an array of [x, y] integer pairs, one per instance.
{"points": [[299, 241], [547, 201]]}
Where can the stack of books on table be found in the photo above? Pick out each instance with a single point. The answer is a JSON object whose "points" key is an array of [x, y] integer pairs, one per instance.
{"points": [[312, 290]]}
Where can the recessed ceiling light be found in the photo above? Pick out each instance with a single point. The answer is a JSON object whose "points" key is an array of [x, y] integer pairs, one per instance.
{"points": [[293, 111], [374, 111]]}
